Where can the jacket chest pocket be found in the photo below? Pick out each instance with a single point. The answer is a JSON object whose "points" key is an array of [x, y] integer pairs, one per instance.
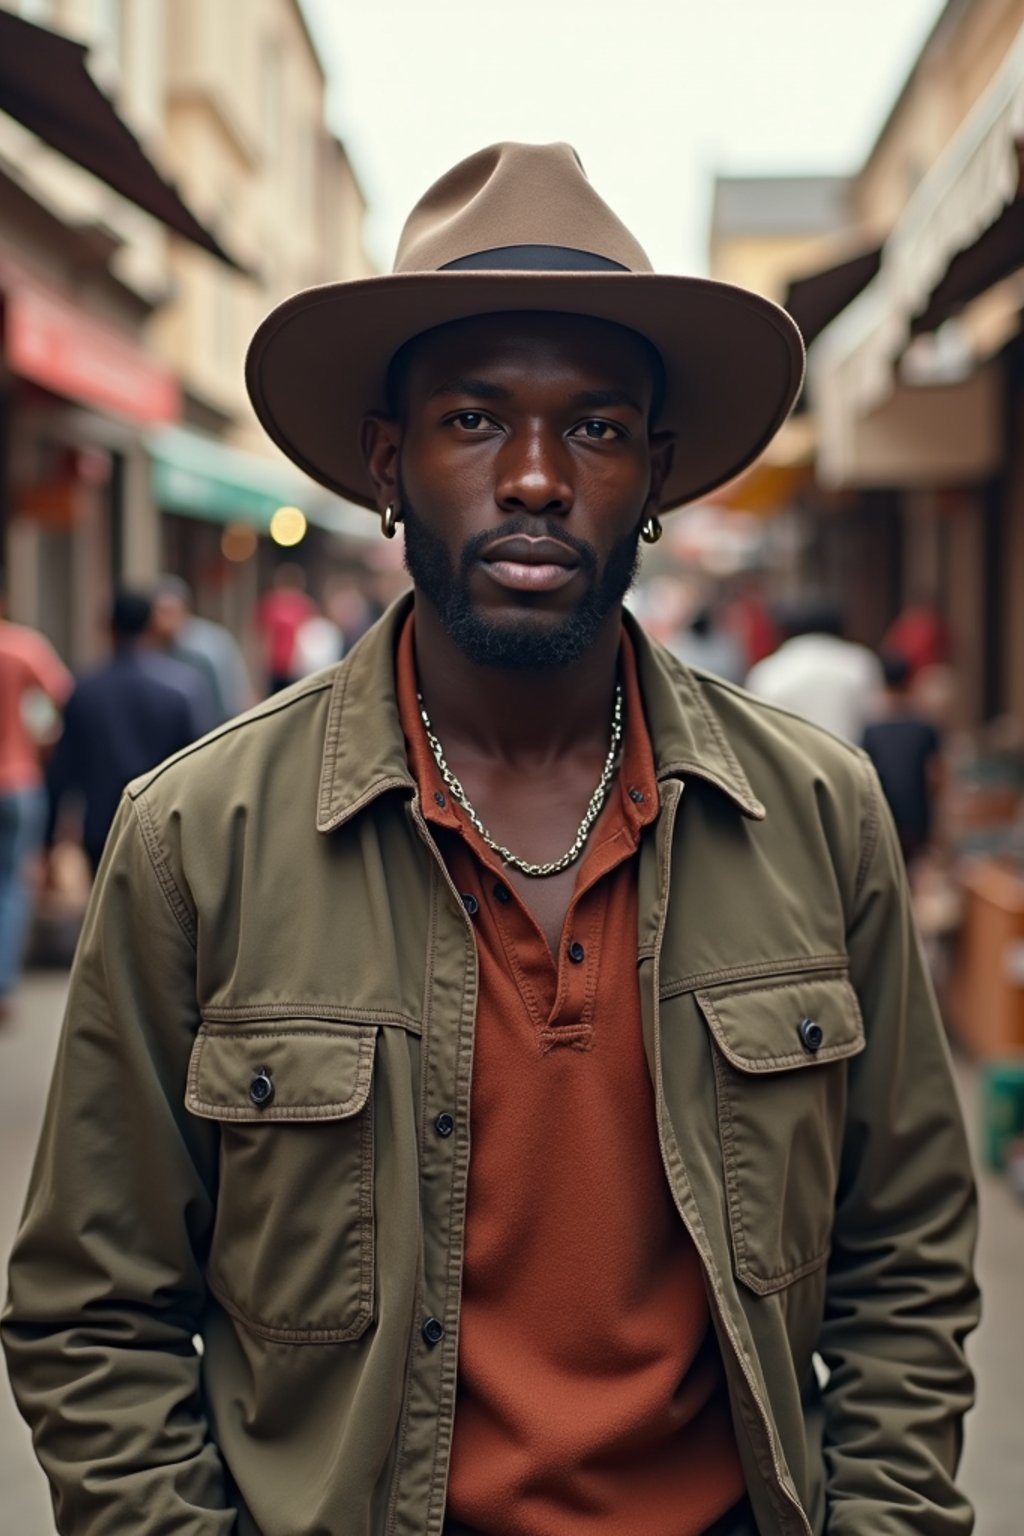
{"points": [[292, 1253], [780, 1052]]}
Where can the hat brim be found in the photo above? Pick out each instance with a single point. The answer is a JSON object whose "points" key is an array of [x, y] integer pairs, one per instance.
{"points": [[734, 361]]}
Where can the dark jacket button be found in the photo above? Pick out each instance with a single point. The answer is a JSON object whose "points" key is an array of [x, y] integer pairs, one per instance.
{"points": [[261, 1089], [444, 1124], [470, 903], [577, 953], [811, 1035], [432, 1330]]}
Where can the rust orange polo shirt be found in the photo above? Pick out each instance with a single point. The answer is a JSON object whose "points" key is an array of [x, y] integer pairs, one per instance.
{"points": [[591, 1395]]}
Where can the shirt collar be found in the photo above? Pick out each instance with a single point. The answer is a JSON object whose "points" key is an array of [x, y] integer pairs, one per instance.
{"points": [[364, 751]]}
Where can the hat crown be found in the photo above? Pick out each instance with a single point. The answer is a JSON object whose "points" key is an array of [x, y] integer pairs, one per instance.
{"points": [[514, 195]]}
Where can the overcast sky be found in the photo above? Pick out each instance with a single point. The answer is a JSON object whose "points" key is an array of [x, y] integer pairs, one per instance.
{"points": [[656, 95]]}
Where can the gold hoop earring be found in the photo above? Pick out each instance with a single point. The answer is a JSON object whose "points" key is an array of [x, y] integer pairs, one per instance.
{"points": [[389, 521], [651, 529]]}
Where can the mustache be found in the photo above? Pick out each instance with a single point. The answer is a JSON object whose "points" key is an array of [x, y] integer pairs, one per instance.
{"points": [[529, 526]]}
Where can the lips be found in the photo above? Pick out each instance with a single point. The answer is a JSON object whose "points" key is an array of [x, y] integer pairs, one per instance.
{"points": [[522, 549], [525, 564]]}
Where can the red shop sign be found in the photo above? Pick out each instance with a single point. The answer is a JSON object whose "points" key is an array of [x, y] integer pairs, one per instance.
{"points": [[49, 340]]}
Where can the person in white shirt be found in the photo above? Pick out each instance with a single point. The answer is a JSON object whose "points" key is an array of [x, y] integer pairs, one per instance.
{"points": [[820, 675]]}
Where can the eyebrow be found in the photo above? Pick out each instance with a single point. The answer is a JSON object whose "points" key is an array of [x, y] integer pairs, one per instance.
{"points": [[478, 389], [598, 399], [585, 400]]}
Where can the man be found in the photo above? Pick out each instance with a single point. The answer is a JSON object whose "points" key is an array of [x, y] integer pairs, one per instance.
{"points": [[121, 718], [30, 671], [280, 615], [509, 1053], [206, 653], [818, 673], [905, 749]]}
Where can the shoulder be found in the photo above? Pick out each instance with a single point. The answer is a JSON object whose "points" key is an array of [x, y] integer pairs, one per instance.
{"points": [[813, 795], [823, 806], [279, 734], [756, 729], [171, 675], [773, 736]]}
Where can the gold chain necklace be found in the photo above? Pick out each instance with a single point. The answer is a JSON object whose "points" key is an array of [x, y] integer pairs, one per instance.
{"points": [[590, 815]]}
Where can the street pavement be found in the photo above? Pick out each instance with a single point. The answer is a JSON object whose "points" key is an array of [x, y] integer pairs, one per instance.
{"points": [[993, 1466]]}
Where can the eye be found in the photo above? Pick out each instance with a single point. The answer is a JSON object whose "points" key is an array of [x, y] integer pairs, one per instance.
{"points": [[470, 421], [599, 431]]}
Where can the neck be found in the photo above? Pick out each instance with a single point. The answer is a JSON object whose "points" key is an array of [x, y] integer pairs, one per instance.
{"points": [[491, 712]]}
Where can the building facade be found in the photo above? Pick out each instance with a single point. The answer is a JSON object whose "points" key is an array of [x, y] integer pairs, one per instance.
{"points": [[915, 362], [128, 445]]}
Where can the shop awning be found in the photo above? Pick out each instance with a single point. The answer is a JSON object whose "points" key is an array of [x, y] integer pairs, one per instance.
{"points": [[45, 85], [62, 346], [996, 255], [196, 476], [964, 195], [816, 299], [961, 232], [763, 491]]}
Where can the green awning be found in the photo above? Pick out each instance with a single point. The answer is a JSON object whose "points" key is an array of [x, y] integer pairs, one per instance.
{"points": [[197, 476]]}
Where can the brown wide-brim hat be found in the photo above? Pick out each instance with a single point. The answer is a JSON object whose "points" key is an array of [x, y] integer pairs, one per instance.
{"points": [[519, 227]]}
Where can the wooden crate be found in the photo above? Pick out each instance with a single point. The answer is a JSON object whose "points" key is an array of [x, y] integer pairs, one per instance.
{"points": [[987, 989]]}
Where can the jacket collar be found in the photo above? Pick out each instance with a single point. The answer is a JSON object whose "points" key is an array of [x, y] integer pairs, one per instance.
{"points": [[364, 748]]}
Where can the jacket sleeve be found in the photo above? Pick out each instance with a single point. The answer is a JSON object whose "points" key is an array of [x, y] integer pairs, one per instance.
{"points": [[106, 1280], [901, 1295]]}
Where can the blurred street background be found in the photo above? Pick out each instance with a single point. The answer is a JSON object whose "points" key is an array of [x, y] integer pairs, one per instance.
{"points": [[171, 169]]}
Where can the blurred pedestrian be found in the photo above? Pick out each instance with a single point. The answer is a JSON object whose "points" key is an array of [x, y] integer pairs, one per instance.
{"points": [[905, 749], [204, 643], [706, 645], [120, 720], [352, 608], [320, 639], [745, 614], [919, 635], [30, 669], [279, 615], [818, 674], [196, 673]]}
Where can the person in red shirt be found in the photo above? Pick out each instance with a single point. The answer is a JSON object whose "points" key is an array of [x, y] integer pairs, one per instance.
{"points": [[280, 615], [29, 666]]}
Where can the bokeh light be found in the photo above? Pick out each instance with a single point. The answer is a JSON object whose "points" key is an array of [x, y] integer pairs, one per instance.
{"points": [[288, 526]]}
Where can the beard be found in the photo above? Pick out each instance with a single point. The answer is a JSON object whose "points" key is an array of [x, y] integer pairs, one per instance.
{"points": [[531, 642]]}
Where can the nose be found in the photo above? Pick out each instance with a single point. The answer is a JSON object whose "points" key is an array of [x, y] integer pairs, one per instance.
{"points": [[534, 473]]}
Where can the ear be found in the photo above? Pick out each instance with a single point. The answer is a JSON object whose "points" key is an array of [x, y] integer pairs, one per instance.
{"points": [[380, 438], [663, 448]]}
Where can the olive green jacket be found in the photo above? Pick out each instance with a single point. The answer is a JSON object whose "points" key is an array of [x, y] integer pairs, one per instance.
{"points": [[271, 906]]}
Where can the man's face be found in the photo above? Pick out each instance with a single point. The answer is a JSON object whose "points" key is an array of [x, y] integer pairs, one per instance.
{"points": [[523, 467]]}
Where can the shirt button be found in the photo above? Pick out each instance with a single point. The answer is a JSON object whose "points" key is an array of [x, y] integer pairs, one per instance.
{"points": [[811, 1035], [444, 1124], [439, 799], [636, 795], [261, 1089], [432, 1330], [470, 903], [502, 893], [577, 954]]}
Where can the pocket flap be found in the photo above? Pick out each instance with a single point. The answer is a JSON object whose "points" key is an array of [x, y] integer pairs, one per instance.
{"points": [[776, 1026], [290, 1069]]}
